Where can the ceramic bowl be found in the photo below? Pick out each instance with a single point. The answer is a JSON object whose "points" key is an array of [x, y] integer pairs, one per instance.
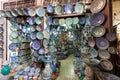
{"points": [[75, 20], [82, 20], [98, 31], [93, 52], [40, 12], [111, 36], [112, 50], [39, 35], [35, 45], [50, 8], [69, 21], [79, 7], [68, 8], [104, 54], [58, 9], [33, 35], [41, 51], [62, 22], [97, 5], [102, 43], [31, 11], [97, 19], [38, 20], [49, 20], [106, 65]]}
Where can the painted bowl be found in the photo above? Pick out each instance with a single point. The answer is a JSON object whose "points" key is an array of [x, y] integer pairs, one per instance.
{"points": [[102, 43], [79, 7], [97, 5], [68, 8], [104, 54], [106, 65], [97, 19], [40, 12], [36, 45], [98, 31], [50, 8], [39, 35]]}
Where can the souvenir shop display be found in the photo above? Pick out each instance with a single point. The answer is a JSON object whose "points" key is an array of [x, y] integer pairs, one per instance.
{"points": [[40, 36]]}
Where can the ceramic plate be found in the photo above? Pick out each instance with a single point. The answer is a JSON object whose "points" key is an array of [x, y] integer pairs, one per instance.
{"points": [[41, 51], [14, 34], [79, 7], [94, 61], [8, 14], [97, 6], [25, 11], [75, 20], [62, 21], [93, 52], [36, 45], [38, 20], [45, 43], [56, 21], [69, 21], [12, 46], [49, 20], [69, 8], [111, 36], [50, 8], [1, 36], [14, 13], [40, 12], [31, 11], [82, 20], [30, 20], [98, 31], [39, 35], [112, 50], [33, 35], [106, 65], [91, 42], [19, 11], [38, 28], [97, 19], [58, 9], [104, 54], [102, 43]]}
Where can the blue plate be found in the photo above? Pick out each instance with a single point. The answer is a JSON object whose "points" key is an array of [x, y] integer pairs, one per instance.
{"points": [[33, 35], [82, 20], [69, 8], [50, 8], [40, 12], [41, 51], [12, 46], [36, 45]]}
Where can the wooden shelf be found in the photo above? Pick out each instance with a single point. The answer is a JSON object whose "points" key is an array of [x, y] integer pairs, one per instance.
{"points": [[66, 15]]}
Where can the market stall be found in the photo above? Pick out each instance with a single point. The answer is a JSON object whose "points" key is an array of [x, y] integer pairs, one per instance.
{"points": [[40, 35]]}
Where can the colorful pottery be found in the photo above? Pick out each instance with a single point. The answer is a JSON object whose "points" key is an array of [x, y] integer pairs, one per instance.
{"points": [[68, 8], [97, 5], [104, 54], [79, 7], [36, 45], [97, 19], [40, 12], [102, 43], [39, 35], [50, 8]]}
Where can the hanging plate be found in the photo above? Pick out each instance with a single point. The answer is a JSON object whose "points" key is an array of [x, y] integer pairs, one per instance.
{"points": [[69, 8], [69, 21], [58, 9], [97, 19], [112, 50], [31, 11], [104, 54], [36, 45], [33, 35], [98, 31], [106, 65], [102, 43], [1, 29], [41, 51], [79, 7], [111, 36], [40, 12], [82, 20], [75, 20], [39, 35], [38, 20], [93, 52], [97, 6], [50, 8]]}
